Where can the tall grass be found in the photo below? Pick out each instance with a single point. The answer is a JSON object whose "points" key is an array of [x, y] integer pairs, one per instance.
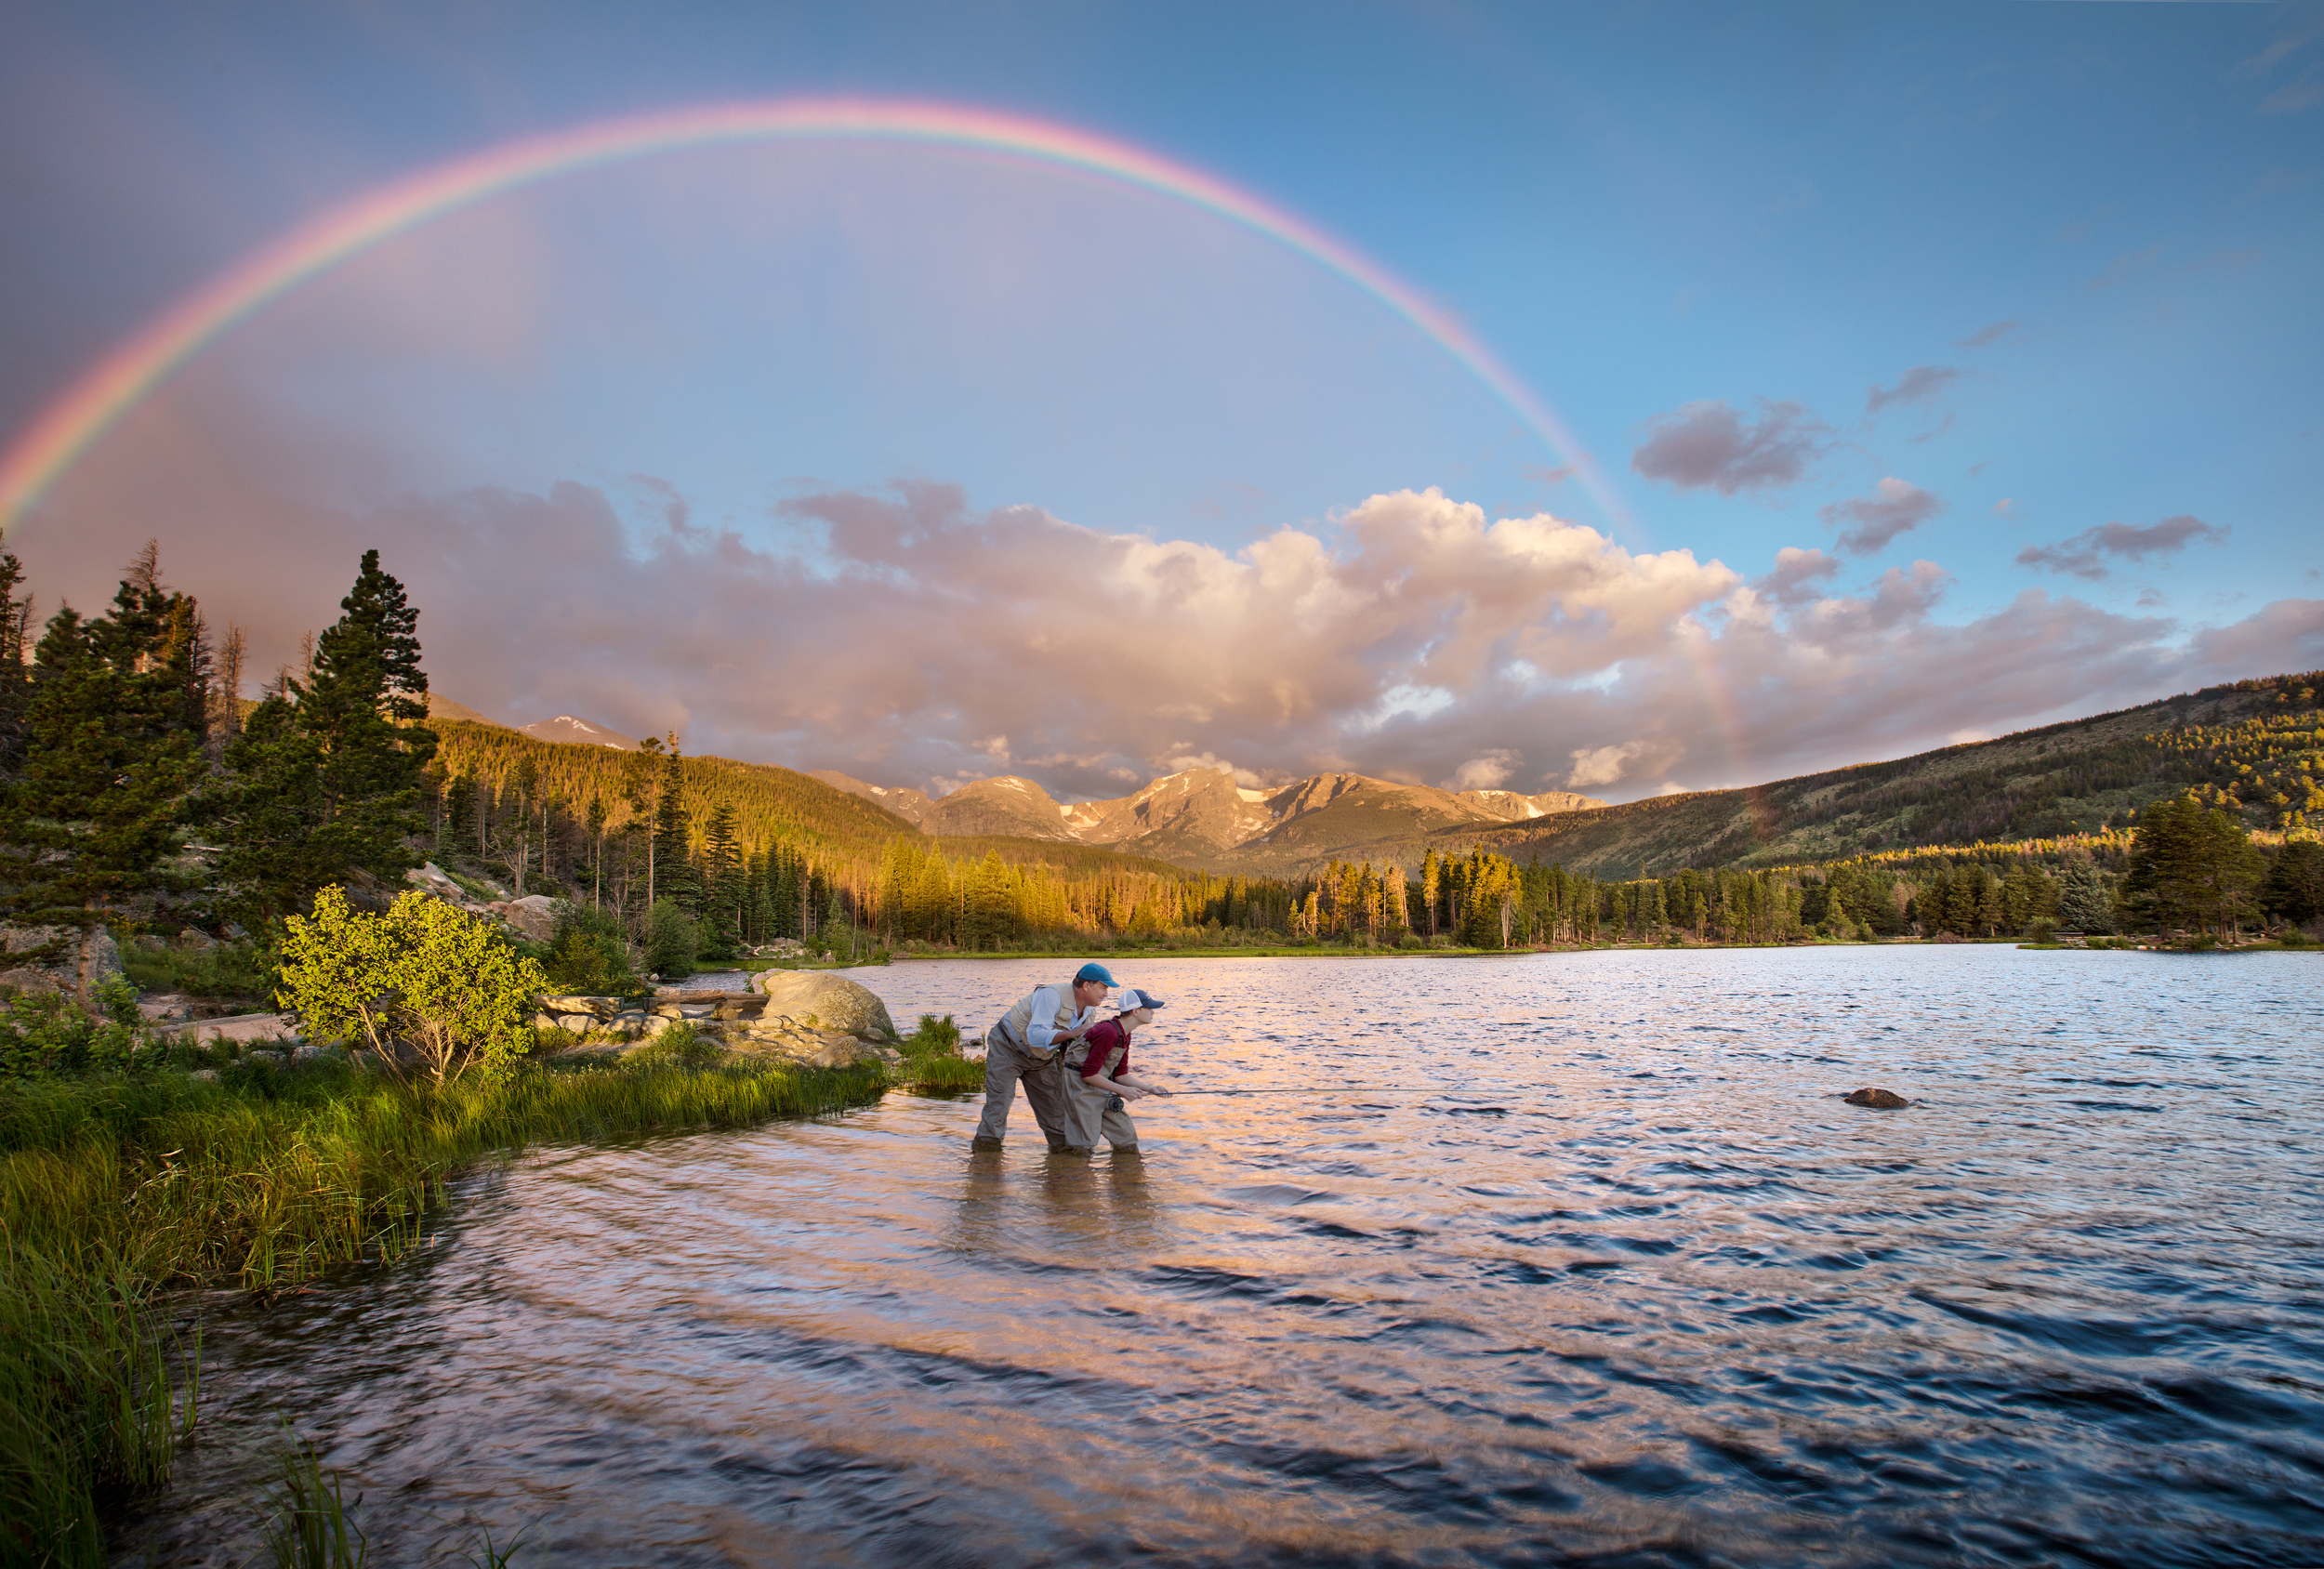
{"points": [[117, 1186], [932, 1063]]}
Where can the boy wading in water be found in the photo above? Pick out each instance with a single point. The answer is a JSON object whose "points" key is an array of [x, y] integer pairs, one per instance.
{"points": [[1023, 1046], [1103, 1082]]}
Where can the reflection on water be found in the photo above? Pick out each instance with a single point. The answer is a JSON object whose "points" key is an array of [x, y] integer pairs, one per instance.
{"points": [[1545, 1257]]}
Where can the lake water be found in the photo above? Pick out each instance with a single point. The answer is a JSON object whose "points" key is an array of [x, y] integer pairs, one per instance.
{"points": [[1545, 1258]]}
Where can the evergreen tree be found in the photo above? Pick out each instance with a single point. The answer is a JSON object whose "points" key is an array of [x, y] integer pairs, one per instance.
{"points": [[327, 774], [2190, 868], [724, 879], [16, 678], [669, 871], [111, 728], [2294, 889], [2084, 902]]}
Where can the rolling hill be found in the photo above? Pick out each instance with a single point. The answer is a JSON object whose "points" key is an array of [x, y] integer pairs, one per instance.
{"points": [[2257, 739]]}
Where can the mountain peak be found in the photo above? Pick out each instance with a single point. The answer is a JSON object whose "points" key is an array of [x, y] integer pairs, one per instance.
{"points": [[571, 728]]}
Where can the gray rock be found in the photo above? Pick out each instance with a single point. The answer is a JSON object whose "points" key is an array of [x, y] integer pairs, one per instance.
{"points": [[206, 1075], [59, 959], [833, 1002], [195, 940], [579, 1023], [535, 914], [274, 1058], [601, 1008], [1878, 1099], [542, 1022]]}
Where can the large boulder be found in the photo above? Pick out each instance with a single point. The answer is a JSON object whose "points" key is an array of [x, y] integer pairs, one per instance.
{"points": [[535, 914], [819, 999], [809, 1047], [59, 959]]}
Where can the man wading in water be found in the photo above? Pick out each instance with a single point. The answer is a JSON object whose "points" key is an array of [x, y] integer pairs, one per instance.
{"points": [[1024, 1046]]}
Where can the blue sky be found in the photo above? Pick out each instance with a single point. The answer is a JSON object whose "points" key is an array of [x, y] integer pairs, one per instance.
{"points": [[2007, 314]]}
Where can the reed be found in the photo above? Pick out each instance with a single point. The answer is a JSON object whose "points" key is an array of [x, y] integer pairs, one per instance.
{"points": [[116, 1187]]}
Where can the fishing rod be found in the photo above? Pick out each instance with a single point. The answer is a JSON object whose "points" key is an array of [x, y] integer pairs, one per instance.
{"points": [[1318, 1089]]}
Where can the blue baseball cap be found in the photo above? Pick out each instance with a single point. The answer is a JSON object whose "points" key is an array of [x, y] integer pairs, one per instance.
{"points": [[1094, 972]]}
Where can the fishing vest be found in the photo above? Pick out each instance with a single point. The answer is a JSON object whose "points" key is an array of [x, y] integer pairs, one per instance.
{"points": [[1018, 1018]]}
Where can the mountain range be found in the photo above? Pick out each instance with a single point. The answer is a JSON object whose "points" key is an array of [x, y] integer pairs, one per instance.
{"points": [[563, 728], [1204, 817], [2259, 740]]}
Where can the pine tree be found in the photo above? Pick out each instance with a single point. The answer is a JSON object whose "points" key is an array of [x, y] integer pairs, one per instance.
{"points": [[16, 677], [112, 728], [669, 870], [327, 774], [725, 887]]}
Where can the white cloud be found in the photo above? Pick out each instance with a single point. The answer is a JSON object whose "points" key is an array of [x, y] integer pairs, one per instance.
{"points": [[1602, 765], [901, 636], [1488, 771]]}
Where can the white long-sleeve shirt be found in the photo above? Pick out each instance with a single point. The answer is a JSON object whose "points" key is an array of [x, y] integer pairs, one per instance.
{"points": [[1041, 1031]]}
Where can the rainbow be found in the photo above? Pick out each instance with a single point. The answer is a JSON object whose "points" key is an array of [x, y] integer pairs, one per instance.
{"points": [[68, 427]]}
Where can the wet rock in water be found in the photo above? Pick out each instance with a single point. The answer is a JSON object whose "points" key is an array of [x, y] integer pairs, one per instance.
{"points": [[1878, 1099], [830, 1002]]}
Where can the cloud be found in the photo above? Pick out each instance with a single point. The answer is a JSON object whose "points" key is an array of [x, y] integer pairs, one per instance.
{"points": [[1707, 444], [2295, 95], [1183, 759], [1797, 576], [1488, 771], [2136, 264], [1602, 765], [1915, 388], [906, 637], [2303, 90], [1896, 508], [2084, 554], [1990, 334]]}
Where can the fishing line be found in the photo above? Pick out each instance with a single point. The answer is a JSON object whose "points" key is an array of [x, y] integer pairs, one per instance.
{"points": [[1318, 1089]]}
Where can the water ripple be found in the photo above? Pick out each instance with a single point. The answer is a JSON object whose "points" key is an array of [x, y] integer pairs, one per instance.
{"points": [[1570, 1259]]}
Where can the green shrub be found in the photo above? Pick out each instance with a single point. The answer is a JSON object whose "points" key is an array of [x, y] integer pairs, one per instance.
{"points": [[424, 974], [671, 940], [589, 954], [2042, 928], [49, 1034]]}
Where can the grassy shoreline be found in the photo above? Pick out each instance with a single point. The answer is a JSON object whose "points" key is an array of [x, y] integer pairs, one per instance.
{"points": [[117, 1188]]}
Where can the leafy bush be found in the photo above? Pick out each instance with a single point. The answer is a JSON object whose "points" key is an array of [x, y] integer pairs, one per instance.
{"points": [[2042, 928], [49, 1034], [589, 954], [424, 974], [671, 940]]}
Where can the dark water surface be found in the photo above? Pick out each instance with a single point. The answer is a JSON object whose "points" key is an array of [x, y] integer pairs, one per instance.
{"points": [[1590, 1264]]}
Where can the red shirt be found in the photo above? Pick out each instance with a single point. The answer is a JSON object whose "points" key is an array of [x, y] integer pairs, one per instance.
{"points": [[1107, 1038]]}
